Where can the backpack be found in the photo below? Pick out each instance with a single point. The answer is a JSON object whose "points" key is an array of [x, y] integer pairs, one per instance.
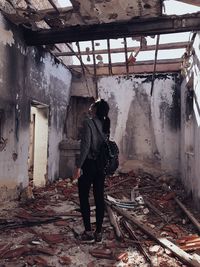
{"points": [[108, 155]]}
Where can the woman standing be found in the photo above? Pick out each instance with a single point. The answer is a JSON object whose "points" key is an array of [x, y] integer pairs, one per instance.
{"points": [[91, 141]]}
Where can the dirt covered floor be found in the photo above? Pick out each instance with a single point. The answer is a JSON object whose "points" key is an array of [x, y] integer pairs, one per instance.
{"points": [[149, 222]]}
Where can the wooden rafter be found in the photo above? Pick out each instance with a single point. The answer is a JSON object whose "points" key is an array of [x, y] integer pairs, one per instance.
{"points": [[95, 69], [126, 56], [177, 45], [155, 62], [135, 27], [94, 59], [54, 5], [78, 56], [109, 57], [170, 65]]}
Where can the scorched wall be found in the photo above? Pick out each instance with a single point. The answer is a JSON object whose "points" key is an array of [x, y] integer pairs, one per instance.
{"points": [[26, 75]]}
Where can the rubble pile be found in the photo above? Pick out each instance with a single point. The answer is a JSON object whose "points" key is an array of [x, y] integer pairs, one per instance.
{"points": [[149, 222]]}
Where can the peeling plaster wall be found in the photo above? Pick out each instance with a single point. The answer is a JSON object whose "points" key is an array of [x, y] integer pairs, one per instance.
{"points": [[145, 127], [190, 126], [28, 74]]}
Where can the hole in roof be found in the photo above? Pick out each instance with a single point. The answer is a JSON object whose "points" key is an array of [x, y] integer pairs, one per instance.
{"points": [[173, 7], [64, 3]]}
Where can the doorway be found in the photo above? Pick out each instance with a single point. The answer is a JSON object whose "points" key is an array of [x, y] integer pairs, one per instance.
{"points": [[38, 144]]}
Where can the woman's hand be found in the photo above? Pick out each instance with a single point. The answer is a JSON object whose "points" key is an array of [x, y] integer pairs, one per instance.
{"points": [[77, 173]]}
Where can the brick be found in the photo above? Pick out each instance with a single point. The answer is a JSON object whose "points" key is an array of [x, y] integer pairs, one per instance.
{"points": [[43, 250], [52, 238], [64, 260], [41, 261], [61, 223], [91, 264], [16, 253]]}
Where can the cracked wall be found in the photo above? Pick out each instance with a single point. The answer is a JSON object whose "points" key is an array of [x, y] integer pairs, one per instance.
{"points": [[28, 74], [146, 128]]}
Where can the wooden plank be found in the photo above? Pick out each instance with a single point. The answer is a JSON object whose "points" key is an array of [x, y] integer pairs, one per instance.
{"points": [[155, 62], [113, 222], [155, 210], [138, 68], [79, 57], [109, 57], [189, 214], [94, 67], [129, 229], [182, 255], [54, 5], [134, 27], [126, 57], [177, 45]]}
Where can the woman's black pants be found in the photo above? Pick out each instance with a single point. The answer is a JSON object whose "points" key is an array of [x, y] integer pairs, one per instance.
{"points": [[91, 176]]}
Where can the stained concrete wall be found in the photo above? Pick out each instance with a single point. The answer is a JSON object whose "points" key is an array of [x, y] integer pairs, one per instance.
{"points": [[190, 124], [27, 74], [145, 127]]}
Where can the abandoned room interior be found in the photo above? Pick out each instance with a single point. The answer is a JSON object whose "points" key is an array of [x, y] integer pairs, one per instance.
{"points": [[56, 58]]}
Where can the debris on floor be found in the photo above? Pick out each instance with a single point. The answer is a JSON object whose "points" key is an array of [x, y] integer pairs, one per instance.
{"points": [[149, 222]]}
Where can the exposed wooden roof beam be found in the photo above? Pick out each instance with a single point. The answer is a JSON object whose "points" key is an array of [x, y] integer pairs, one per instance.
{"points": [[155, 62], [109, 57], [126, 57], [135, 27], [170, 65], [177, 45], [54, 5], [190, 2], [79, 58]]}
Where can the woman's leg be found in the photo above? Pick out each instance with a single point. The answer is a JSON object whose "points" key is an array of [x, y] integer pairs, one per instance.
{"points": [[98, 190], [84, 184]]}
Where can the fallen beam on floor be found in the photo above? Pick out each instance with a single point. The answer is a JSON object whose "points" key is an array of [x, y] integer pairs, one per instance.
{"points": [[182, 255], [189, 214], [113, 222]]}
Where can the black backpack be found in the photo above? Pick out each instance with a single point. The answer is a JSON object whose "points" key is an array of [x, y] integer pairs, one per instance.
{"points": [[108, 156]]}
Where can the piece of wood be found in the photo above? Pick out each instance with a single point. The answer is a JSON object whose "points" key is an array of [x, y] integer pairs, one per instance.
{"points": [[134, 27], [129, 229], [114, 223], [95, 68], [54, 5], [126, 57], [182, 255], [155, 210], [155, 62], [189, 214], [79, 57], [29, 223], [118, 183], [109, 57]]}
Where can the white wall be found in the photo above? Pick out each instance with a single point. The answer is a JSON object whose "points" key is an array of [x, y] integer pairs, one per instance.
{"points": [[144, 127], [190, 127]]}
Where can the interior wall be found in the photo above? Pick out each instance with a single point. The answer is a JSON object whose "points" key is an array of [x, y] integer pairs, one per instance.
{"points": [[145, 127], [190, 124], [27, 74]]}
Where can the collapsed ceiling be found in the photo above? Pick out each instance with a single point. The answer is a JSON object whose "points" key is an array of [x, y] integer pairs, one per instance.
{"points": [[87, 12]]}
